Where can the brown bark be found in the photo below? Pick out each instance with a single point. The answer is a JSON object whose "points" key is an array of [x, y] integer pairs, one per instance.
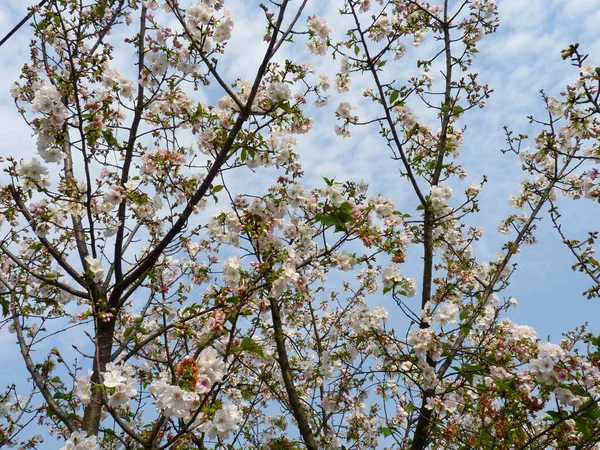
{"points": [[422, 429], [298, 410], [104, 337]]}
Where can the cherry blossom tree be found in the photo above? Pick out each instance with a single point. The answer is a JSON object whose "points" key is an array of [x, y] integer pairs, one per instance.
{"points": [[157, 302]]}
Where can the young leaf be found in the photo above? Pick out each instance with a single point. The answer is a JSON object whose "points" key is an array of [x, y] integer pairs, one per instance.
{"points": [[250, 345]]}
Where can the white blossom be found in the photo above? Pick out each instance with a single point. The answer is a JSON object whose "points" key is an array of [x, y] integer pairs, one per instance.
{"points": [[79, 440], [279, 92], [344, 110], [83, 388], [447, 313], [96, 269], [226, 420], [223, 30], [319, 26], [231, 271], [439, 196], [32, 172]]}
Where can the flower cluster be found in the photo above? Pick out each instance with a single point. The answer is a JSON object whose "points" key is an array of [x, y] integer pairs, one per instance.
{"points": [[391, 277], [196, 377], [226, 420], [439, 196], [48, 101], [79, 440], [32, 174], [120, 381], [319, 32], [95, 268]]}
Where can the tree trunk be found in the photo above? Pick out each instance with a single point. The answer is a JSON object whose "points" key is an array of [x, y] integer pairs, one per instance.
{"points": [[104, 338], [420, 436]]}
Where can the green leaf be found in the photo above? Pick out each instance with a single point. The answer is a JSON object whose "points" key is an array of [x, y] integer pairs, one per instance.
{"points": [[5, 303], [466, 329], [457, 110], [218, 188], [340, 216], [326, 220], [381, 64], [62, 396], [394, 96], [250, 345], [463, 315], [386, 431], [582, 425], [110, 139], [594, 412], [51, 276], [420, 208], [504, 385], [345, 212], [285, 106], [356, 50], [328, 181], [555, 415], [127, 332]]}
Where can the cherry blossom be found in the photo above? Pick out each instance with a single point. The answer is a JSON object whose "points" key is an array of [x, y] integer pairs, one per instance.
{"points": [[156, 303]]}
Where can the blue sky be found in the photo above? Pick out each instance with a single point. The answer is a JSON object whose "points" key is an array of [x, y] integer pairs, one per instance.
{"points": [[519, 60]]}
